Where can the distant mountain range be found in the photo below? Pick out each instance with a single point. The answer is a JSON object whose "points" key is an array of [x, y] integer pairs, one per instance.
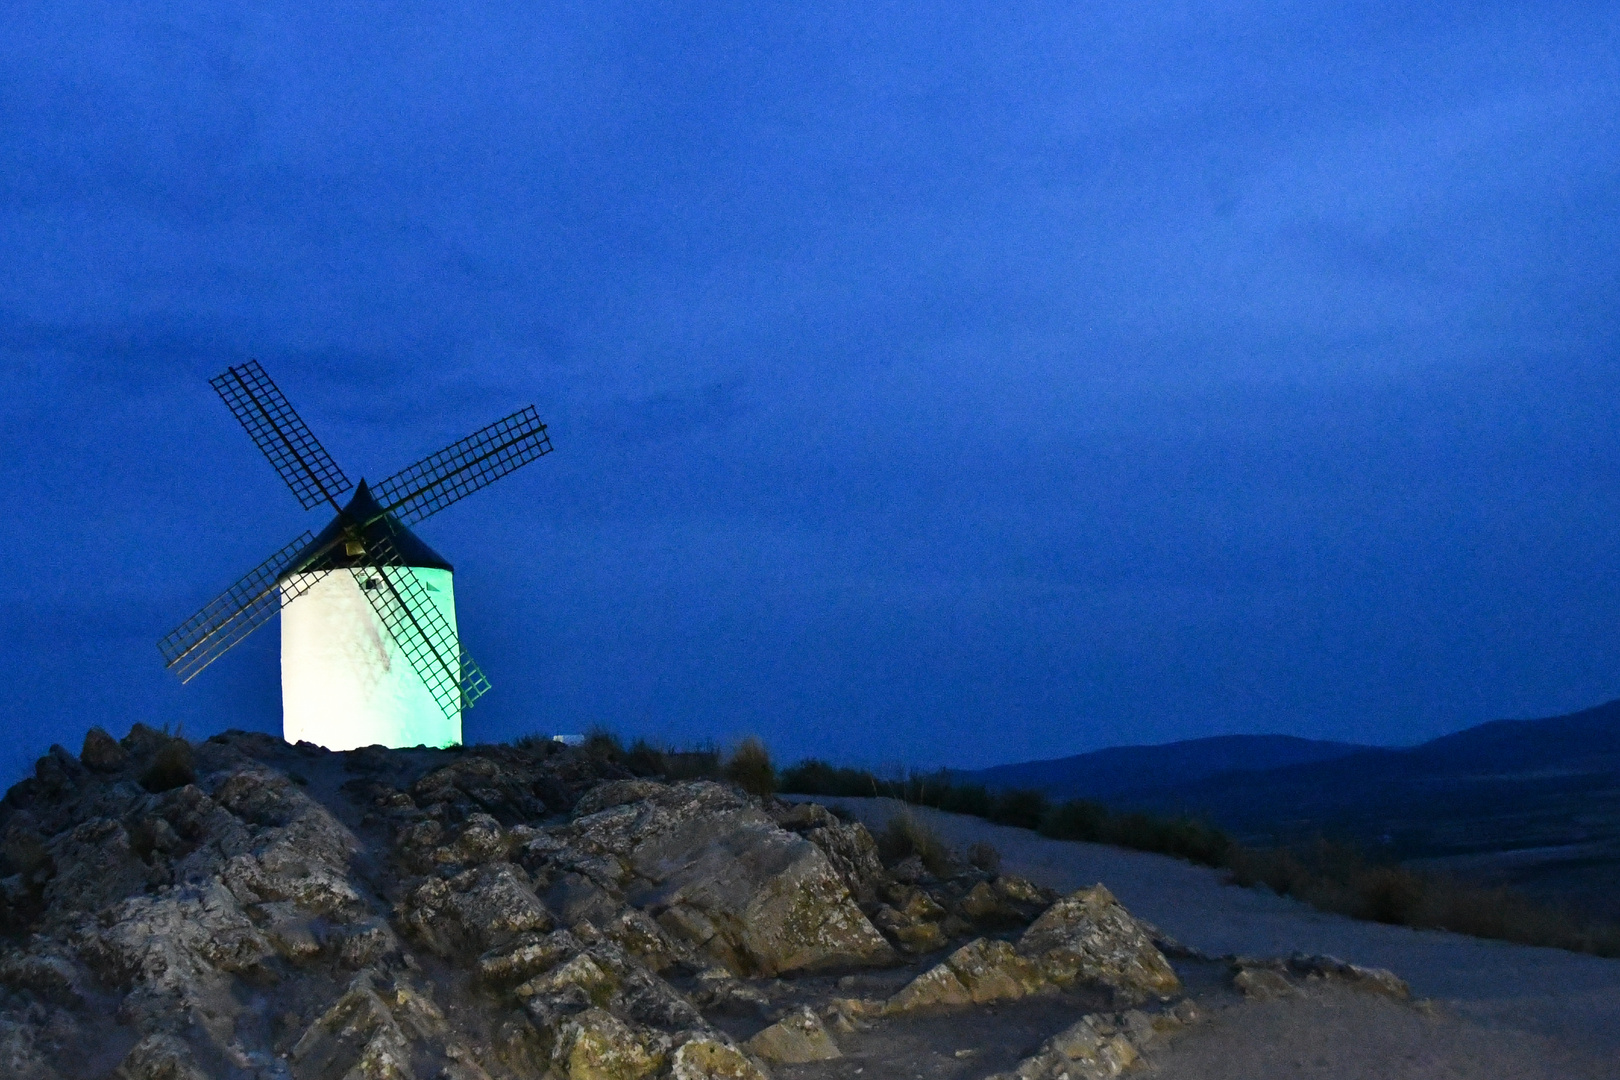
{"points": [[1121, 770], [1535, 803]]}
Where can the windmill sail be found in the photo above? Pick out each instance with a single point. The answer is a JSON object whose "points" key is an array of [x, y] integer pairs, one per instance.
{"points": [[462, 468], [281, 434], [424, 636], [234, 613]]}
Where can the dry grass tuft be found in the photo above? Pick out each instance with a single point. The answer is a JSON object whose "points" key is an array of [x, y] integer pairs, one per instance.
{"points": [[905, 836], [750, 768]]}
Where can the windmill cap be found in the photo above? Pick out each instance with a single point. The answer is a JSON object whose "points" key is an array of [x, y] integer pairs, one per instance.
{"points": [[363, 507]]}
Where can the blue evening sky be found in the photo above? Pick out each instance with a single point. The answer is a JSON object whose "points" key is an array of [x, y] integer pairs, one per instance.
{"points": [[931, 382]]}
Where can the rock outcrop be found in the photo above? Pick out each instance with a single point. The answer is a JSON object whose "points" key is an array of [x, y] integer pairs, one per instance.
{"points": [[1100, 1045], [795, 1039], [1087, 937], [247, 909], [1269, 978]]}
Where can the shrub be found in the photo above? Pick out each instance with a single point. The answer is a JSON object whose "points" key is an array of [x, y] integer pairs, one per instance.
{"points": [[812, 776], [697, 763], [1024, 809], [973, 799], [1181, 837], [171, 767], [1078, 819], [645, 759], [603, 745], [536, 743], [750, 767], [905, 836]]}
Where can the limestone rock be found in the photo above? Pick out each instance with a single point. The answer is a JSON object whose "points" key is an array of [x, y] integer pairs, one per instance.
{"points": [[802, 816], [159, 1057], [911, 871], [365, 942], [1088, 936], [795, 1039], [716, 871], [579, 983], [853, 854], [43, 971], [166, 912], [636, 933], [595, 975], [1262, 984], [478, 909], [936, 987], [480, 840], [266, 911], [290, 932], [596, 1045], [981, 971], [993, 971], [528, 955], [102, 752], [20, 1056], [913, 935], [357, 1037], [712, 1058], [502, 782], [1090, 1048], [96, 866], [1371, 980], [1019, 890], [297, 850], [616, 793], [175, 953], [1004, 902], [1096, 1047], [718, 990]]}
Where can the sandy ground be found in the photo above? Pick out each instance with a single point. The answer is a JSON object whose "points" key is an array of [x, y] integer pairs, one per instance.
{"points": [[1500, 1011]]}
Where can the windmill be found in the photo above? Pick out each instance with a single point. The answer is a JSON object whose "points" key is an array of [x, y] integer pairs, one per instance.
{"points": [[369, 652]]}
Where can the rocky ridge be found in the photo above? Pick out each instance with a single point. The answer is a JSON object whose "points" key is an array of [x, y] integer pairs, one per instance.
{"points": [[247, 909]]}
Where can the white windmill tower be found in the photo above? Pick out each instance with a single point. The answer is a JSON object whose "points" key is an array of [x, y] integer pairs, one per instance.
{"points": [[369, 652]]}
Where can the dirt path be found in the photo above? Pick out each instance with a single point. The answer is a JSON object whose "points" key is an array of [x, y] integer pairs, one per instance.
{"points": [[1560, 1008]]}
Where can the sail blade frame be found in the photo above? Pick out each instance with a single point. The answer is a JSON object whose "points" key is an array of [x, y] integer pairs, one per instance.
{"points": [[451, 474], [424, 636], [223, 622], [281, 434]]}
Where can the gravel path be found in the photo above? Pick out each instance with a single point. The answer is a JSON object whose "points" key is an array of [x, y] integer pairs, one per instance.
{"points": [[1568, 999]]}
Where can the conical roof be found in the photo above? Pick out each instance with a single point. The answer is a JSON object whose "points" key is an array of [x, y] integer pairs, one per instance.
{"points": [[363, 507]]}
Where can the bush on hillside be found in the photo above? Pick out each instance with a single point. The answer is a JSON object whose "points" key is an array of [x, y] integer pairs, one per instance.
{"points": [[171, 767], [1078, 819], [749, 766], [603, 745], [1025, 809], [812, 776], [905, 836]]}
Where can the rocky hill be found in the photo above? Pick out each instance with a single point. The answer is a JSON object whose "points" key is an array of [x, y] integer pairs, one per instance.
{"points": [[244, 908]]}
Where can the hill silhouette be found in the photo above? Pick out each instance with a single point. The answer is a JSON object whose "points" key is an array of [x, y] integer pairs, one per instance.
{"points": [[1531, 803], [1108, 774]]}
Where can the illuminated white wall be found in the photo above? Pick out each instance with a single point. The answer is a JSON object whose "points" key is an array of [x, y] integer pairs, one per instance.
{"points": [[344, 681]]}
